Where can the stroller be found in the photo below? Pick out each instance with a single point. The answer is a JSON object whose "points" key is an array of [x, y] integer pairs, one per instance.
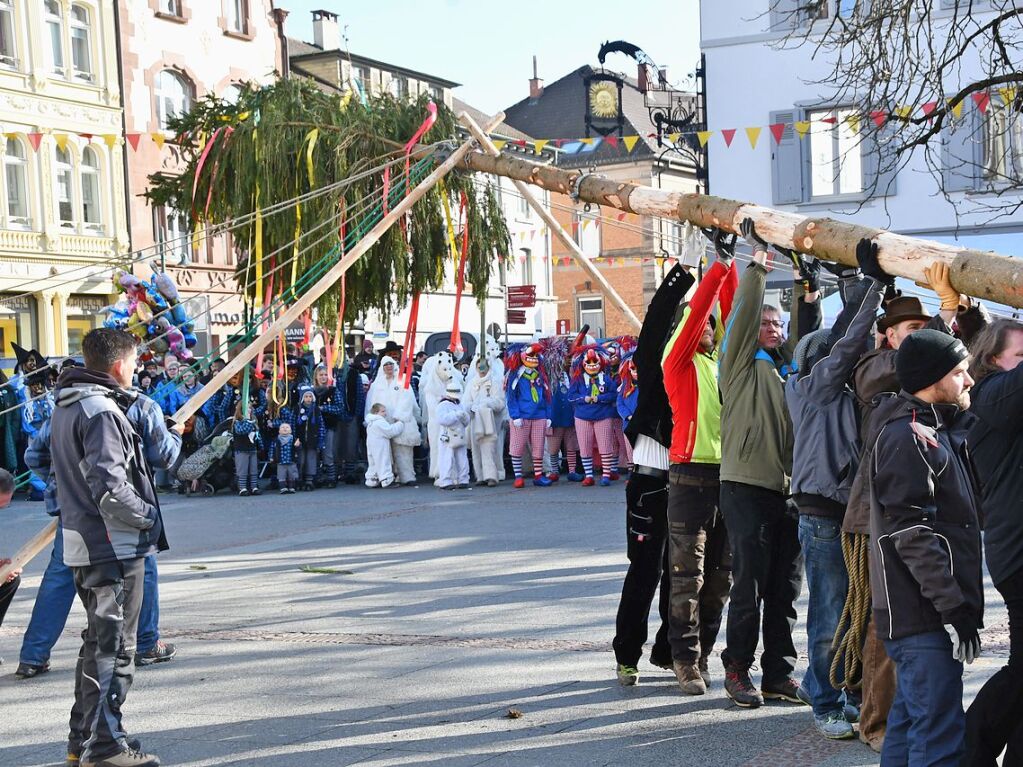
{"points": [[212, 465]]}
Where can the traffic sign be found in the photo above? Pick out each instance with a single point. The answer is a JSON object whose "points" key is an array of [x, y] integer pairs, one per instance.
{"points": [[516, 316], [521, 296]]}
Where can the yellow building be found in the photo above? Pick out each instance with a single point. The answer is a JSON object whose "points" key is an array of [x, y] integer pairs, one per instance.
{"points": [[62, 218]]}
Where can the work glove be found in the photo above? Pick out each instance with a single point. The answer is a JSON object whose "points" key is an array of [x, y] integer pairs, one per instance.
{"points": [[517, 423], [866, 257], [549, 423], [963, 629], [809, 269], [748, 230], [724, 244], [940, 280]]}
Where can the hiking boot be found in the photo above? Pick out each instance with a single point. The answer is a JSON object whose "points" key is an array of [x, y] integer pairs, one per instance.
{"points": [[787, 690], [28, 670], [130, 757], [833, 726], [689, 679], [704, 670], [740, 689], [74, 751], [161, 652], [628, 676]]}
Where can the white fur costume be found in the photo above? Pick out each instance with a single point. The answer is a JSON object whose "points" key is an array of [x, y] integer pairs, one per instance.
{"points": [[388, 389], [436, 374], [488, 411], [453, 462], [379, 434]]}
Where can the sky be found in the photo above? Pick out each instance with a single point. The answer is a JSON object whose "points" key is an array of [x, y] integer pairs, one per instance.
{"points": [[488, 47]]}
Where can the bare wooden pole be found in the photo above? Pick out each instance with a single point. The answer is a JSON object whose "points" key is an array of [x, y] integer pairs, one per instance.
{"points": [[559, 231], [24, 555], [976, 273]]}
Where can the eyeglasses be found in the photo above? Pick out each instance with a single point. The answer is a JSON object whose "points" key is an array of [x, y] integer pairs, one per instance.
{"points": [[772, 324]]}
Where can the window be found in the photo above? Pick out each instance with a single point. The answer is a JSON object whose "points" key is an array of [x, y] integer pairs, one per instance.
{"points": [[16, 180], [92, 213], [436, 93], [527, 266], [402, 88], [591, 312], [55, 28], [173, 96], [1002, 144], [172, 234], [522, 207], [674, 238], [81, 50], [8, 51], [65, 187], [237, 16], [362, 76], [171, 7], [586, 228], [835, 163]]}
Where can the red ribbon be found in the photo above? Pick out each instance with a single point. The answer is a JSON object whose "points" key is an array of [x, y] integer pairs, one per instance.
{"points": [[266, 308], [409, 352], [387, 186], [431, 118], [202, 162], [456, 336]]}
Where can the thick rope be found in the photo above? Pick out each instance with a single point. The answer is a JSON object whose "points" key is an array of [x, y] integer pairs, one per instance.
{"points": [[847, 664]]}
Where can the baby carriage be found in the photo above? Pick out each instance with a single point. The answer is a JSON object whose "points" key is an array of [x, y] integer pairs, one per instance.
{"points": [[211, 467]]}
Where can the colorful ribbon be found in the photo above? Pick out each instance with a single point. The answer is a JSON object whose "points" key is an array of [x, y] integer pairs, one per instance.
{"points": [[463, 217], [408, 353], [431, 118]]}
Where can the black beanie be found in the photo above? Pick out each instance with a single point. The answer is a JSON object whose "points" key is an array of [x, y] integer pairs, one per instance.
{"points": [[925, 357]]}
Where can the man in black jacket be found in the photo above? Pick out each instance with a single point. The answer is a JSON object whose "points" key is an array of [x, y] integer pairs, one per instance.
{"points": [[925, 567], [646, 495], [111, 521]]}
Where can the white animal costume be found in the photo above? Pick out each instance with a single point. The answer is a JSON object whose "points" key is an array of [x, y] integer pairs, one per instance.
{"points": [[485, 403], [492, 354], [452, 440], [388, 389], [379, 433], [438, 372]]}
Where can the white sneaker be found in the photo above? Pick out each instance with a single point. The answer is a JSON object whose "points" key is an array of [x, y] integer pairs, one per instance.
{"points": [[387, 483], [372, 483]]}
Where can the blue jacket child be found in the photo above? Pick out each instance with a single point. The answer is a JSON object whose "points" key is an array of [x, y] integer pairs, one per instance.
{"points": [[526, 395], [590, 379], [562, 413]]}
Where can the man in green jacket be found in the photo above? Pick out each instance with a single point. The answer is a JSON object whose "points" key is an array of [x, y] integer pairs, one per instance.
{"points": [[756, 462]]}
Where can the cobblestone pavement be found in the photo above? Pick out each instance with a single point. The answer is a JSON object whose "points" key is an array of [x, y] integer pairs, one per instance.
{"points": [[444, 612]]}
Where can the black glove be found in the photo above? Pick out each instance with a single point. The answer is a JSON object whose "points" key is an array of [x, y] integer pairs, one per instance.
{"points": [[809, 273], [791, 255], [749, 233], [840, 270], [866, 257], [724, 243], [963, 626], [891, 292]]}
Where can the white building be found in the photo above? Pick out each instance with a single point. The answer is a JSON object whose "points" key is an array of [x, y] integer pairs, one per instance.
{"points": [[752, 81]]}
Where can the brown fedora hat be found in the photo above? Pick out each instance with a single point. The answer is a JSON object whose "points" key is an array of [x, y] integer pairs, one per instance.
{"points": [[901, 309]]}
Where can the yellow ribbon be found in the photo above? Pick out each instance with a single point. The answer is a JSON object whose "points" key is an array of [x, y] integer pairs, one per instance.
{"points": [[258, 298], [310, 144], [452, 246]]}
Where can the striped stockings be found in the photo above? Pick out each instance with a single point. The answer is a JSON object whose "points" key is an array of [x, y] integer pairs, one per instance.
{"points": [[601, 433], [531, 432], [563, 435]]}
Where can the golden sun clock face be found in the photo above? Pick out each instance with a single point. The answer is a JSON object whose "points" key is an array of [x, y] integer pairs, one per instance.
{"points": [[603, 100]]}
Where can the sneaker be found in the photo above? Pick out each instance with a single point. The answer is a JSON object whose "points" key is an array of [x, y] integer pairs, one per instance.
{"points": [[553, 476], [740, 689], [605, 482], [519, 483], [284, 491], [833, 726], [29, 670], [787, 690], [161, 652], [491, 483], [704, 670], [628, 676], [689, 679], [291, 491], [573, 477], [128, 758], [256, 491], [542, 481], [243, 491], [588, 482]]}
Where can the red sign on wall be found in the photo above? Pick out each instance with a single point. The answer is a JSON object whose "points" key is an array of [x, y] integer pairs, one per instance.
{"points": [[516, 316], [521, 296], [563, 327]]}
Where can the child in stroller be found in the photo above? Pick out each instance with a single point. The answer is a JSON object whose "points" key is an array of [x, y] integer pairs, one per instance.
{"points": [[211, 467]]}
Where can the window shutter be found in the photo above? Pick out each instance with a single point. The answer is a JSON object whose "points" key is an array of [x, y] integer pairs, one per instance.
{"points": [[961, 151], [879, 158], [786, 161], [785, 15]]}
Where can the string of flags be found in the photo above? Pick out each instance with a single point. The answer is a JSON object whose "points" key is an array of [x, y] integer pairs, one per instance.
{"points": [[35, 138], [982, 101]]}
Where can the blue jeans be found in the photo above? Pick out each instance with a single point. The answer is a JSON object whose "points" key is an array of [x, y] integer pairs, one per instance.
{"points": [[926, 724], [57, 594], [820, 538]]}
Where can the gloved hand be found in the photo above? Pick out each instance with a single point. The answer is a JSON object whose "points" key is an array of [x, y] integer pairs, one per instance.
{"points": [[724, 244], [549, 422], [809, 272], [866, 257], [941, 283], [962, 626], [840, 270], [517, 423], [749, 233]]}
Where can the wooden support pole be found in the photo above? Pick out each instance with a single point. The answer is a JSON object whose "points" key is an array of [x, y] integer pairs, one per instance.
{"points": [[37, 543], [559, 231], [976, 273]]}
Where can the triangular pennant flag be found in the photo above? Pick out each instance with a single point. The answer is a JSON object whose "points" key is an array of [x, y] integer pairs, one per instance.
{"points": [[587, 141], [519, 142], [10, 135], [499, 144], [158, 139], [802, 127], [522, 236], [777, 130], [660, 263], [928, 107], [957, 109], [830, 120], [35, 139], [1008, 94], [903, 113], [852, 122], [728, 134], [539, 145], [982, 99], [621, 216], [879, 117], [133, 140], [612, 140], [61, 139], [586, 223], [704, 136], [753, 134], [566, 261], [110, 139], [630, 142], [86, 136], [674, 137]]}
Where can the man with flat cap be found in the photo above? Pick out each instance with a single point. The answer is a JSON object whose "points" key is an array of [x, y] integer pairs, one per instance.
{"points": [[925, 548]]}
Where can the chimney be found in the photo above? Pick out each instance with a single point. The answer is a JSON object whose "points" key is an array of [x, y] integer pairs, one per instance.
{"points": [[536, 84], [662, 77], [326, 31], [641, 76]]}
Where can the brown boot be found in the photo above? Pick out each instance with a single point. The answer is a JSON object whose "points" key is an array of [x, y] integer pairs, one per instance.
{"points": [[689, 679]]}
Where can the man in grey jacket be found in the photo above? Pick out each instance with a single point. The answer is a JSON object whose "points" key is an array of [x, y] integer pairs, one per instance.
{"points": [[111, 521]]}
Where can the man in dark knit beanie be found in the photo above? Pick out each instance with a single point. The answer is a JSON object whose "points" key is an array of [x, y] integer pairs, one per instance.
{"points": [[925, 555]]}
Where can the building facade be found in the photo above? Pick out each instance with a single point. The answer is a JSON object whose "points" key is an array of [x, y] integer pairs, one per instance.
{"points": [[63, 220], [174, 52], [830, 170]]}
